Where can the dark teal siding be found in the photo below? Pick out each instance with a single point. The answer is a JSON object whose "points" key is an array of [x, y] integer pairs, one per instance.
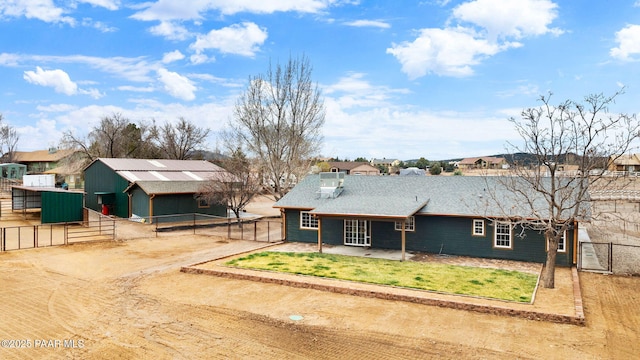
{"points": [[437, 234], [139, 203], [184, 204], [100, 178], [60, 207], [332, 230]]}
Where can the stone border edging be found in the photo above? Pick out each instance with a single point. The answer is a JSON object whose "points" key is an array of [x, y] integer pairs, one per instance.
{"points": [[578, 319]]}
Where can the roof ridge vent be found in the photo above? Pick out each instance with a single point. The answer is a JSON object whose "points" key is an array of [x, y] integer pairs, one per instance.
{"points": [[331, 185]]}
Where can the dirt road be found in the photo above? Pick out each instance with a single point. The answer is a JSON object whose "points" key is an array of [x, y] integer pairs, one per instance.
{"points": [[128, 300]]}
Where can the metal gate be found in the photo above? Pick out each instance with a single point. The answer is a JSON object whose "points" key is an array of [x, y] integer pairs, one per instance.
{"points": [[609, 258], [595, 256]]}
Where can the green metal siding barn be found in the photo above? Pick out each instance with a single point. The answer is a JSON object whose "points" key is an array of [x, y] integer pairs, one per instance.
{"points": [[148, 187], [57, 205], [159, 198]]}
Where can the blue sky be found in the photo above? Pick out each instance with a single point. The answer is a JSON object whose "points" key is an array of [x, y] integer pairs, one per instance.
{"points": [[433, 78]]}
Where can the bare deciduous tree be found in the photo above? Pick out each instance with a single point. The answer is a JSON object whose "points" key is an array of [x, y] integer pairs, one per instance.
{"points": [[179, 142], [9, 138], [586, 134], [235, 188], [278, 120], [115, 137]]}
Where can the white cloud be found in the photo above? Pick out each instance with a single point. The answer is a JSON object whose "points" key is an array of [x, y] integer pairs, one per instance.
{"points": [[509, 18], [100, 26], [177, 85], [200, 59], [523, 89], [56, 108], [445, 134], [133, 69], [107, 4], [369, 23], [136, 88], [193, 10], [449, 52], [172, 56], [54, 119], [241, 39], [9, 59], [230, 83], [485, 28], [57, 79], [94, 93], [354, 91], [628, 40], [170, 31], [44, 10]]}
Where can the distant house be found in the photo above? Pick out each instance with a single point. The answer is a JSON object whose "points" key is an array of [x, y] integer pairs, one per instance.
{"points": [[354, 168], [53, 161], [388, 164], [484, 162], [144, 188], [627, 163], [435, 214], [39, 161]]}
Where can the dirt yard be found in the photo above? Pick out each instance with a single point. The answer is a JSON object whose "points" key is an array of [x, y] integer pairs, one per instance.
{"points": [[123, 300]]}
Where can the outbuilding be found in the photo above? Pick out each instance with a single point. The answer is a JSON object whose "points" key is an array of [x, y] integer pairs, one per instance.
{"points": [[144, 188]]}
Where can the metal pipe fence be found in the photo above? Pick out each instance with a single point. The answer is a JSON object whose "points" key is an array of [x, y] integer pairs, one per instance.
{"points": [[256, 229], [35, 236]]}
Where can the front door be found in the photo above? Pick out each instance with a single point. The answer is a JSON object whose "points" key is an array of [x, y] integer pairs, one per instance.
{"points": [[357, 232]]}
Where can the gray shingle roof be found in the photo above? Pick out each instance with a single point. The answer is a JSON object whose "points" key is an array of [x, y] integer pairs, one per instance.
{"points": [[402, 196]]}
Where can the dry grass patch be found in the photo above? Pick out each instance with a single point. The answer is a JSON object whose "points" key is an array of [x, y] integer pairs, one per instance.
{"points": [[464, 280]]}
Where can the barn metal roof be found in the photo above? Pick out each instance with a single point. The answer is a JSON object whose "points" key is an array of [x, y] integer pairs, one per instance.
{"points": [[160, 165], [135, 170]]}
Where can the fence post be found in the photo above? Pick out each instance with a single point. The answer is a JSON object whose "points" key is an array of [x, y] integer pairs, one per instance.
{"points": [[611, 257], [35, 236], [255, 230], [4, 239], [228, 228], [268, 231], [65, 227], [194, 223], [19, 238]]}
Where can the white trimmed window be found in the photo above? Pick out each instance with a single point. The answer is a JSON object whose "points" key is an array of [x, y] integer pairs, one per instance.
{"points": [[308, 221], [502, 235], [478, 227], [562, 243], [409, 225]]}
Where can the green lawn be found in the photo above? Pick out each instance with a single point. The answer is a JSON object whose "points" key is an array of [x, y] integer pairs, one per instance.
{"points": [[465, 280]]}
